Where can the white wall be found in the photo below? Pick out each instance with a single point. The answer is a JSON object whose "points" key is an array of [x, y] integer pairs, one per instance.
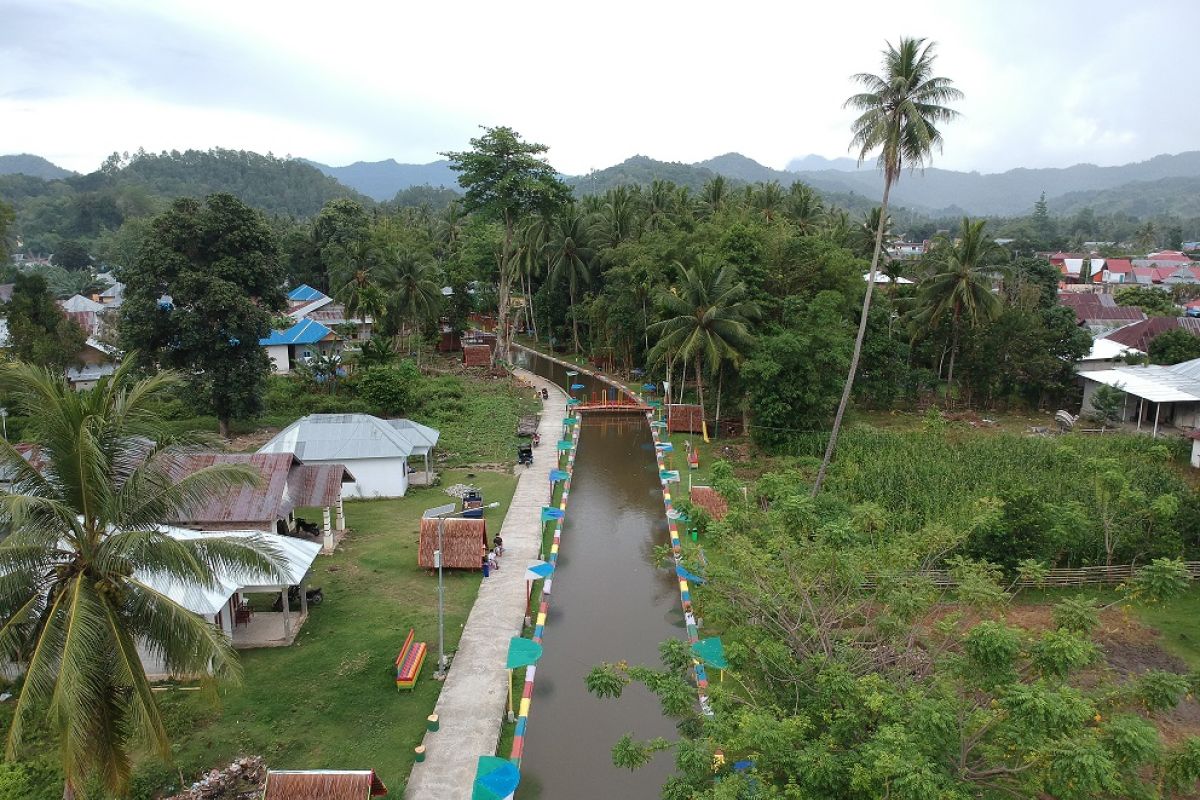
{"points": [[280, 363], [374, 477]]}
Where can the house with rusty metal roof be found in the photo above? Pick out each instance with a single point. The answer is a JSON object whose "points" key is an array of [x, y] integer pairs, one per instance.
{"points": [[285, 484], [323, 784], [375, 450]]}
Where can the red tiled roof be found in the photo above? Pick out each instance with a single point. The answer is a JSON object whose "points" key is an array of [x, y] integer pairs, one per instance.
{"points": [[1169, 255], [1118, 265]]}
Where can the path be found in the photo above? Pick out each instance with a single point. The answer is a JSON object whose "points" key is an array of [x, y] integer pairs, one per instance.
{"points": [[473, 699]]}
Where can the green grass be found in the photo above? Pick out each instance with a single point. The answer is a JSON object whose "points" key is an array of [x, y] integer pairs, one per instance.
{"points": [[330, 699]]}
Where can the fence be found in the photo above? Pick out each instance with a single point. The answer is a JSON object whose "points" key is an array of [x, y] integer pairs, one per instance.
{"points": [[1058, 577]]}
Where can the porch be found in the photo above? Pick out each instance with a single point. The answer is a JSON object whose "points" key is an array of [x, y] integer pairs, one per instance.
{"points": [[268, 629]]}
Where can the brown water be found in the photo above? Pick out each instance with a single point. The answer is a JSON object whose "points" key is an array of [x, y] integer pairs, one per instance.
{"points": [[609, 603]]}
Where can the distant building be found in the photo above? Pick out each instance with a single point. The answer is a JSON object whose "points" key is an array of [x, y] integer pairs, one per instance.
{"points": [[299, 344], [305, 302]]}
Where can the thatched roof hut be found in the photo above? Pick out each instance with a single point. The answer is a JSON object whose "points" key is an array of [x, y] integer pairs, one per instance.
{"points": [[477, 355], [706, 497], [684, 418], [464, 542], [323, 784]]}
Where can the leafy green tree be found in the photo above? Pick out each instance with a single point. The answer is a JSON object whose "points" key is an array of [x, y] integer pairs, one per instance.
{"points": [[217, 262], [962, 290], [1155, 302], [1173, 347], [1107, 402], [901, 111], [378, 351], [72, 255], [792, 376], [507, 179], [7, 217], [570, 258], [39, 331], [705, 321], [84, 532], [389, 391], [1044, 228]]}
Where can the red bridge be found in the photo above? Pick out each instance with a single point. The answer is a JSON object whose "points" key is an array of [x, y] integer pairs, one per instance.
{"points": [[609, 400]]}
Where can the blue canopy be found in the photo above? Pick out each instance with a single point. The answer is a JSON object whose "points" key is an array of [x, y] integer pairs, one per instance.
{"points": [[576, 387], [495, 779], [687, 576], [551, 513], [666, 447], [559, 475], [538, 570], [649, 387]]}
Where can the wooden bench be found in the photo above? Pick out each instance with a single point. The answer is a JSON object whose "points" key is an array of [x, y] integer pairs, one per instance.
{"points": [[409, 662]]}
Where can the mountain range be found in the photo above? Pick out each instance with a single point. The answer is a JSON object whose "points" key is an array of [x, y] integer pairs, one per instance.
{"points": [[1163, 185]]}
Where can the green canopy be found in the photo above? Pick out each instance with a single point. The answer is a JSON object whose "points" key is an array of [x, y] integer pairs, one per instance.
{"points": [[569, 420], [654, 403], [711, 651], [522, 652], [565, 445]]}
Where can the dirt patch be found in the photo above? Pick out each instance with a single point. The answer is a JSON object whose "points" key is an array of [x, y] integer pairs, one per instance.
{"points": [[1128, 657], [250, 442]]}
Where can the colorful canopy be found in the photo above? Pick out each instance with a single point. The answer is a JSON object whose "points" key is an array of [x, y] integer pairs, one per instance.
{"points": [[522, 652], [538, 570], [565, 445], [666, 447], [711, 651], [658, 424], [551, 513], [649, 387], [571, 373], [559, 475], [669, 474], [654, 403], [576, 386], [495, 779], [569, 420], [573, 401], [687, 576]]}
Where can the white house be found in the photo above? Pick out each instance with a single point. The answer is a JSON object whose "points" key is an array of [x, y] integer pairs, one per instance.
{"points": [[1152, 395], [376, 451]]}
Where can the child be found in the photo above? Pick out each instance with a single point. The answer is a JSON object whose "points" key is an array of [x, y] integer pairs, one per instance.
{"points": [[493, 566], [498, 545]]}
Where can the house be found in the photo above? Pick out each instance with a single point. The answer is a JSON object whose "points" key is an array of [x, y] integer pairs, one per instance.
{"points": [[376, 451], [1077, 268], [85, 312], [1099, 312], [882, 277], [1105, 354], [224, 602], [323, 784], [113, 296], [94, 361], [1165, 258], [1154, 395], [299, 344], [286, 483], [305, 302], [1139, 335], [1117, 270], [907, 250]]}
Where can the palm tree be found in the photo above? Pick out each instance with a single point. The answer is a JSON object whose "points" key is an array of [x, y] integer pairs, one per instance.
{"points": [[836, 226], [378, 351], [715, 194], [570, 258], [867, 232], [356, 281], [768, 198], [414, 292], [963, 289], [84, 517], [704, 320], [657, 204], [901, 111], [617, 219], [532, 260], [804, 207]]}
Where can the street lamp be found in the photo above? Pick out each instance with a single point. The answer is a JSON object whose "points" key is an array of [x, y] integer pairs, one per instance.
{"points": [[440, 674]]}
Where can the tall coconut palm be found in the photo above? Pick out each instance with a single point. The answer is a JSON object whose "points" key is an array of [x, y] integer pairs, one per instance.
{"points": [[715, 194], [900, 114], [532, 260], [804, 207], [657, 204], [963, 289], [768, 199], [570, 258], [355, 278], [617, 220], [414, 292], [76, 608], [704, 320]]}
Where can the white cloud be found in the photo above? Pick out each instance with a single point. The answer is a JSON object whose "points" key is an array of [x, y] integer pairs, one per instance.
{"points": [[1046, 84]]}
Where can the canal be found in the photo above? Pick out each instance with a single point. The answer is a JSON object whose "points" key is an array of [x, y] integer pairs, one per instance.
{"points": [[610, 602]]}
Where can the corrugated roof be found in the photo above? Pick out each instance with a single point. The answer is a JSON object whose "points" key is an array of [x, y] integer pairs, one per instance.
{"points": [[323, 784], [285, 484], [1098, 307], [304, 294], [306, 331], [342, 437], [1154, 383], [76, 303], [422, 437], [1104, 349], [1140, 334]]}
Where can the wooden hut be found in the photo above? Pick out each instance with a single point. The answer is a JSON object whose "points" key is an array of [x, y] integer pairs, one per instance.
{"points": [[706, 497], [477, 355], [464, 542]]}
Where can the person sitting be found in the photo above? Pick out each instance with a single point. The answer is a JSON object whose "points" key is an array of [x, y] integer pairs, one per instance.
{"points": [[493, 564], [498, 545]]}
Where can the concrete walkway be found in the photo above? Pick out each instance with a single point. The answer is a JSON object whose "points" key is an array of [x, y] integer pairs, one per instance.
{"points": [[473, 701]]}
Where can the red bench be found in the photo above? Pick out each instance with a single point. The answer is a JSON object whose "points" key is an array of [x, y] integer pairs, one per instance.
{"points": [[409, 662]]}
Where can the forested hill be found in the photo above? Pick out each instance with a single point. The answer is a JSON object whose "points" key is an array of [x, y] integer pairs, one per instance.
{"points": [[381, 180], [34, 166], [1142, 199], [82, 207]]}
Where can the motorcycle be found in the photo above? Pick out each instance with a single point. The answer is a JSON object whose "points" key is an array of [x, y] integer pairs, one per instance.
{"points": [[314, 597]]}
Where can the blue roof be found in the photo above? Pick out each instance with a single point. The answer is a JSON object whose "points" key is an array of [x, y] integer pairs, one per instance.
{"points": [[304, 294], [306, 331]]}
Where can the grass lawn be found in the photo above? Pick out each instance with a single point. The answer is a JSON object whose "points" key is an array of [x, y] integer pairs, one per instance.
{"points": [[330, 699]]}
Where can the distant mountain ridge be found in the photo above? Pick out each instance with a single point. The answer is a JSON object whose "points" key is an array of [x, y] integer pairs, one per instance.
{"points": [[34, 166], [937, 192], [380, 180]]}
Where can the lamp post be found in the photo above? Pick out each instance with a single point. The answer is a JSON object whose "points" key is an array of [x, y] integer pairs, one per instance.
{"points": [[440, 674], [4, 421]]}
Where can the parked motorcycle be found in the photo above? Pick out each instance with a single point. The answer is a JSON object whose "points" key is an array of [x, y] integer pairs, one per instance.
{"points": [[314, 597]]}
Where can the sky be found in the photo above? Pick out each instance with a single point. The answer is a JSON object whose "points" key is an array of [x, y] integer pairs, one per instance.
{"points": [[1046, 83]]}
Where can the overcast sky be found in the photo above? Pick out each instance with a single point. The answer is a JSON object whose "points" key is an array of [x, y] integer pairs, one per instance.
{"points": [[1047, 83]]}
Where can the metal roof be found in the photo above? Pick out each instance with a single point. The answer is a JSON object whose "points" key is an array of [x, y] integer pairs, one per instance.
{"points": [[305, 294], [76, 303], [422, 437], [285, 484], [306, 331], [296, 558], [1106, 350], [1154, 383], [347, 437]]}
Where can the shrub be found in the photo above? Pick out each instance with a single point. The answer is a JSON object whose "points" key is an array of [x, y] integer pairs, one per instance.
{"points": [[389, 391]]}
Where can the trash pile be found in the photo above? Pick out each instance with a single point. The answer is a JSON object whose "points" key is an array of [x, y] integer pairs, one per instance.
{"points": [[242, 780]]}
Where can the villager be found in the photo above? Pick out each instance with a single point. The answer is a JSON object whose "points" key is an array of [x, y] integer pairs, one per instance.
{"points": [[545, 393], [498, 545], [491, 561]]}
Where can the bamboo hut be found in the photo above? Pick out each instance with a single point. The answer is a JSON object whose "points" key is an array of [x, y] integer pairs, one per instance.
{"points": [[464, 542], [477, 355], [684, 418]]}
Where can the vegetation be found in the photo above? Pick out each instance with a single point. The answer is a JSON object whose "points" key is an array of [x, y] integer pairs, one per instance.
{"points": [[1155, 302], [39, 332], [217, 263], [75, 606]]}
